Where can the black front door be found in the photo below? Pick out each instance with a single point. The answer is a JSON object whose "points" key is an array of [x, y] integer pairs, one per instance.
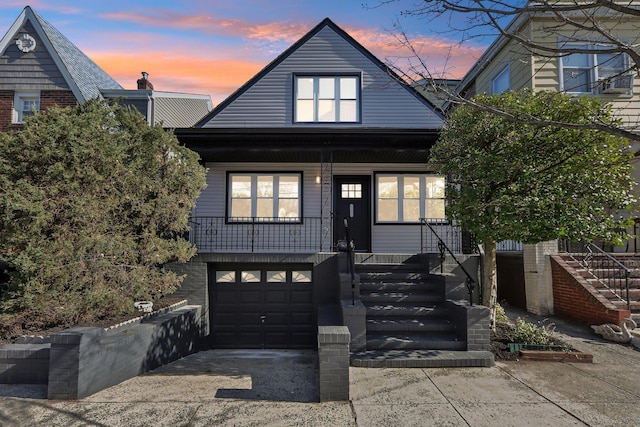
{"points": [[352, 202]]}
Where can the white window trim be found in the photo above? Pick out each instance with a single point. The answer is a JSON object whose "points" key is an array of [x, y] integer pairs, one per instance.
{"points": [[18, 104], [422, 197], [507, 70], [337, 99], [592, 65], [254, 197]]}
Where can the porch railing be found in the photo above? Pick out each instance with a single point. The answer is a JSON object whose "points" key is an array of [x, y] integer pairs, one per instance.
{"points": [[219, 234], [434, 232], [453, 235], [610, 272]]}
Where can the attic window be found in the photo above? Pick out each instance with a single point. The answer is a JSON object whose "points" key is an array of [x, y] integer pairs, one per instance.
{"points": [[25, 105], [327, 99]]}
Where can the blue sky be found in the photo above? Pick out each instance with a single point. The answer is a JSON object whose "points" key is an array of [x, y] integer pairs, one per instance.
{"points": [[213, 47]]}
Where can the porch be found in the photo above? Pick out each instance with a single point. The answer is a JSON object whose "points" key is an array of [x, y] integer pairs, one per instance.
{"points": [[311, 235]]}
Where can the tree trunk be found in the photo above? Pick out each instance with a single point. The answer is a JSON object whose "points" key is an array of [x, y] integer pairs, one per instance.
{"points": [[490, 281]]}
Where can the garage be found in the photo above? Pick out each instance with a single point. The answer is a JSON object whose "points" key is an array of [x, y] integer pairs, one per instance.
{"points": [[262, 306]]}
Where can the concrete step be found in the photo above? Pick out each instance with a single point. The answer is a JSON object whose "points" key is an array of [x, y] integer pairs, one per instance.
{"points": [[430, 341], [408, 324], [421, 359]]}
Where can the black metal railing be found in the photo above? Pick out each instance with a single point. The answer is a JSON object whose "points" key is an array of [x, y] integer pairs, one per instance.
{"points": [[219, 234], [443, 248], [434, 231], [610, 272]]}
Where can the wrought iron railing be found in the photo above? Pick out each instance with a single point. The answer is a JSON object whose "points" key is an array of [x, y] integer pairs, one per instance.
{"points": [[434, 231], [219, 234], [456, 236], [610, 272]]}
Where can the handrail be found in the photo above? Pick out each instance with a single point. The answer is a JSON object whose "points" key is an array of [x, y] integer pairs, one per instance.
{"points": [[442, 247], [610, 278]]}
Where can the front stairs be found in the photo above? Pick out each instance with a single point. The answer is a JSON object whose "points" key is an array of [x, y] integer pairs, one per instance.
{"points": [[409, 322]]}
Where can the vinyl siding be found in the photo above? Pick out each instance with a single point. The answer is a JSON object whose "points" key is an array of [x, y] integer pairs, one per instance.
{"points": [[547, 74], [269, 101], [384, 238], [29, 71], [519, 61]]}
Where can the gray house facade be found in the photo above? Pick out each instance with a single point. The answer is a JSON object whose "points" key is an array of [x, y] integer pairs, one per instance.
{"points": [[325, 145]]}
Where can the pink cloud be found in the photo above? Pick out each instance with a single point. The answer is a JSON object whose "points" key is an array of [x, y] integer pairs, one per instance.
{"points": [[171, 72], [205, 24]]}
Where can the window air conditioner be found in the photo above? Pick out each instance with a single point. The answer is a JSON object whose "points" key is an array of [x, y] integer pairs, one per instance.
{"points": [[618, 84]]}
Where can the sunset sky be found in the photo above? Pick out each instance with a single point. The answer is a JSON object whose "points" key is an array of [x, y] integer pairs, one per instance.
{"points": [[214, 46]]}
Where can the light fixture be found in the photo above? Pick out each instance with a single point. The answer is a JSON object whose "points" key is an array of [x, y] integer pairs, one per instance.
{"points": [[317, 179]]}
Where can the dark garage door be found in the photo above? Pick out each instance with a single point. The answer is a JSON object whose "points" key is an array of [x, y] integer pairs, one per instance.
{"points": [[262, 307]]}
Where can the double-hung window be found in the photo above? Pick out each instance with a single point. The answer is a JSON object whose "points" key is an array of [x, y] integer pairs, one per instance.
{"points": [[406, 198], [327, 99], [585, 72], [25, 105], [501, 82], [264, 197]]}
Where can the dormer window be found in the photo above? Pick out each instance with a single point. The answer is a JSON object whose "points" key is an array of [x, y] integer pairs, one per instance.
{"points": [[327, 99], [25, 105]]}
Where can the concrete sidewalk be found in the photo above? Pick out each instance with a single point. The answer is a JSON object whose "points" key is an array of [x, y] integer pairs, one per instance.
{"points": [[279, 388]]}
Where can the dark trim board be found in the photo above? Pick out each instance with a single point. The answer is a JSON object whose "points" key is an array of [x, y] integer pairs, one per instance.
{"points": [[306, 144]]}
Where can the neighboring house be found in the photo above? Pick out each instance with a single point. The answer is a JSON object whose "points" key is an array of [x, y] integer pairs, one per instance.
{"points": [[39, 67], [437, 91], [169, 109], [510, 65], [325, 135]]}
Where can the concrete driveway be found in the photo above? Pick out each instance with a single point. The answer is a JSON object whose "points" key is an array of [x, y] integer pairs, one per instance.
{"points": [[280, 388]]}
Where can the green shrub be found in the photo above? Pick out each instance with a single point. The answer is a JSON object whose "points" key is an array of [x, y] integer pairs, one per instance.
{"points": [[529, 333]]}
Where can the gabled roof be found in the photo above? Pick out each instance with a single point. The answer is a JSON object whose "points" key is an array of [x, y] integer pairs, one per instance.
{"points": [[84, 77], [287, 53]]}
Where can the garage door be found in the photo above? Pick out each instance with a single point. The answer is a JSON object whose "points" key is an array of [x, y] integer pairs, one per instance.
{"points": [[262, 307]]}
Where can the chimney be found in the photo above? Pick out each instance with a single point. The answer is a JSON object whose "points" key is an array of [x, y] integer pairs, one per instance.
{"points": [[144, 82]]}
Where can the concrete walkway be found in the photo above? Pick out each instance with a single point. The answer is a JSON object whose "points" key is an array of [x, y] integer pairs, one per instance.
{"points": [[263, 388]]}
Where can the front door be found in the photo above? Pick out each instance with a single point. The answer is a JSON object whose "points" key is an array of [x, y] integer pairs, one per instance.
{"points": [[352, 202]]}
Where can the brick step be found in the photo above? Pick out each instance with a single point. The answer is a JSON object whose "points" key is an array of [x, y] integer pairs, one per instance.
{"points": [[409, 277], [421, 359], [375, 297], [635, 305], [597, 283], [401, 286], [634, 294], [431, 341], [408, 324], [390, 268], [406, 310]]}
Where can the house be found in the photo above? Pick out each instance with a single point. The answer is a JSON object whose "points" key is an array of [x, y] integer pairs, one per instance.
{"points": [[324, 145], [40, 67], [168, 109], [546, 63], [511, 65]]}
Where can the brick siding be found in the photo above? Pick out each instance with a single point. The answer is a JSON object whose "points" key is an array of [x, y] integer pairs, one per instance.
{"points": [[48, 98], [574, 298]]}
